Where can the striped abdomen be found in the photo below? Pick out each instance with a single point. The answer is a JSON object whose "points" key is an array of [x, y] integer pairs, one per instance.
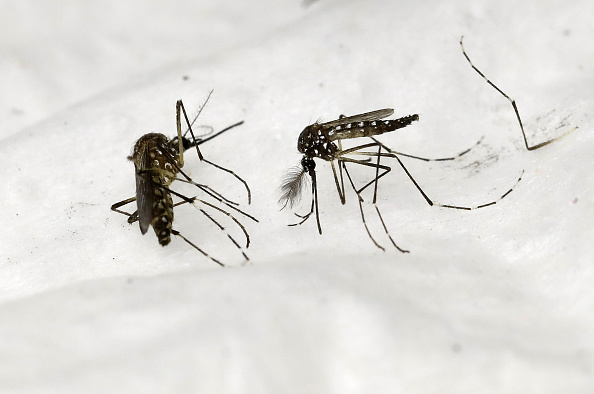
{"points": [[156, 163], [369, 128], [162, 215]]}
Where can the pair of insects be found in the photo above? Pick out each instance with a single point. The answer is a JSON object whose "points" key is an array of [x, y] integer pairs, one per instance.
{"points": [[158, 162]]}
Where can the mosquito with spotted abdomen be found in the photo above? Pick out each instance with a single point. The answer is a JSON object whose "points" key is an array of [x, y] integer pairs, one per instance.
{"points": [[323, 141], [513, 104], [158, 162]]}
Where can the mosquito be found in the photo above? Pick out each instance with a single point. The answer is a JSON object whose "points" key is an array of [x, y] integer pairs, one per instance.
{"points": [[324, 141], [158, 162], [513, 104], [318, 141]]}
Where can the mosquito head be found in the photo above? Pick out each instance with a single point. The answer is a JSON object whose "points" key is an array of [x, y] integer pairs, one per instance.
{"points": [[308, 164], [186, 143]]}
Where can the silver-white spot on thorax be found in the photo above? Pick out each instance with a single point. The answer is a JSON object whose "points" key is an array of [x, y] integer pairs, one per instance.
{"points": [[163, 219], [373, 123]]}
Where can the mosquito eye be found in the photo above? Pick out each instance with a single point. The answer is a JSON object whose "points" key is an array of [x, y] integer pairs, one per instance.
{"points": [[308, 164], [187, 143]]}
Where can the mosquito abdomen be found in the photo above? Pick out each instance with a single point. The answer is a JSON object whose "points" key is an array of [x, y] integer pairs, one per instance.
{"points": [[369, 128], [162, 215]]}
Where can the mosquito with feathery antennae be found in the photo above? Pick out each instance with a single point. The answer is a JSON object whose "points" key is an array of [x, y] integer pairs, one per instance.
{"points": [[158, 162], [323, 141]]}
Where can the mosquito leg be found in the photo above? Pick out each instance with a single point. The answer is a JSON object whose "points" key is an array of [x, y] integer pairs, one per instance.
{"points": [[249, 193], [192, 200], [360, 201], [377, 176], [341, 177], [177, 233], [340, 194], [487, 204], [180, 105], [367, 228], [223, 229], [377, 167], [206, 188], [314, 186], [307, 215], [365, 163], [513, 103], [425, 158], [214, 195], [314, 205], [183, 202], [387, 233], [357, 151], [179, 108], [247, 237], [431, 202], [115, 207]]}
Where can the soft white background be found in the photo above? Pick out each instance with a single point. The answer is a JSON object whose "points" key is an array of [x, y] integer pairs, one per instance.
{"points": [[494, 300]]}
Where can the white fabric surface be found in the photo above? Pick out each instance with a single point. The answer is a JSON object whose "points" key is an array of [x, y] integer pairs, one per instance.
{"points": [[497, 300]]}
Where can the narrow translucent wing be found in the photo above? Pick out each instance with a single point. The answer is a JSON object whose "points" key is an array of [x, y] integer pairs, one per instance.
{"points": [[367, 116], [292, 186], [144, 187], [144, 200]]}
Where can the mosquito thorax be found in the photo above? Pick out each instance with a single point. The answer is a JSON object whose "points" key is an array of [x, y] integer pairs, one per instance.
{"points": [[152, 140], [303, 140], [314, 142]]}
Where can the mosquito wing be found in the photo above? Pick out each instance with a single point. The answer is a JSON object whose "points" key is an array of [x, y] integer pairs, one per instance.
{"points": [[144, 200], [366, 117], [144, 186]]}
